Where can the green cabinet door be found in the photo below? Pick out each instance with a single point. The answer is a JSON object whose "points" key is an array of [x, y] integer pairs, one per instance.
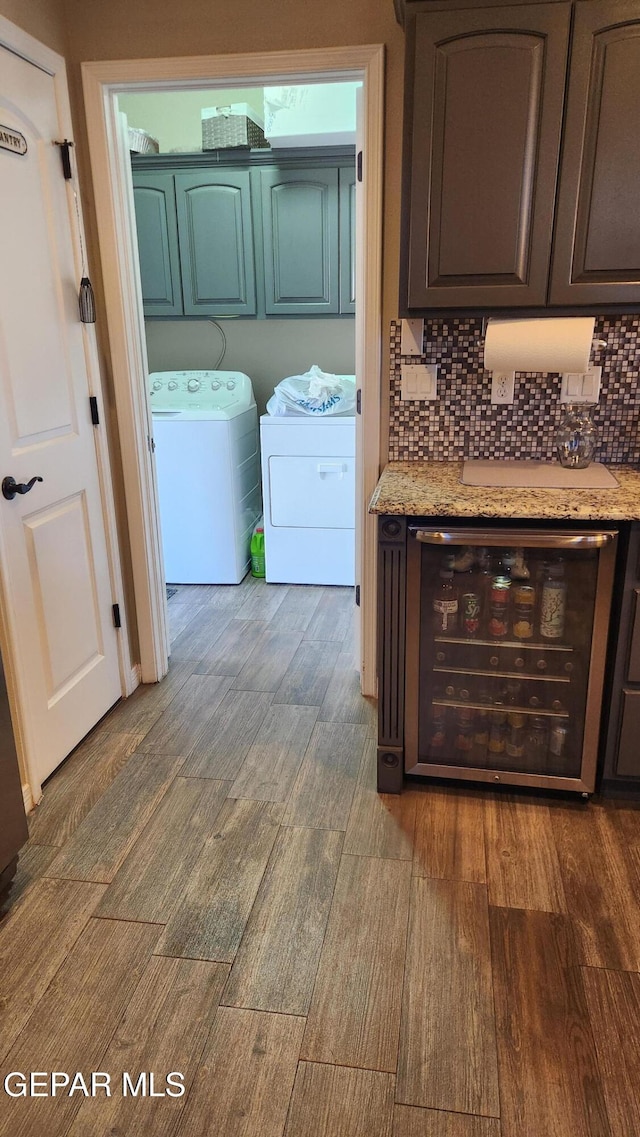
{"points": [[216, 242], [158, 243], [300, 241], [347, 240]]}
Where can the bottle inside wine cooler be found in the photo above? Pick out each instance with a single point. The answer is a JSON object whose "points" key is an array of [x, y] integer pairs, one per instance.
{"points": [[515, 743], [463, 736], [445, 602], [437, 746], [520, 569], [524, 603], [497, 734], [536, 744], [505, 562], [558, 743], [499, 591], [480, 736], [513, 693], [471, 612], [553, 602]]}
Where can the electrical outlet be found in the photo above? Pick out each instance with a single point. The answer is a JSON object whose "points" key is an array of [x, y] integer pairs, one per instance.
{"points": [[503, 386]]}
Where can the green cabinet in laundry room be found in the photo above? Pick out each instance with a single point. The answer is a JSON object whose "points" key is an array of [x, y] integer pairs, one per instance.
{"points": [[300, 241], [215, 232], [157, 230], [250, 233]]}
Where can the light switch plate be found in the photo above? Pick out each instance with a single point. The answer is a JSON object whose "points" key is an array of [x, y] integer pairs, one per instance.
{"points": [[581, 388], [503, 387], [411, 335], [418, 381]]}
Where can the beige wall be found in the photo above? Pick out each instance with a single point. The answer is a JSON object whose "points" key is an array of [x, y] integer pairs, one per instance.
{"points": [[173, 117], [266, 350], [120, 29], [44, 19]]}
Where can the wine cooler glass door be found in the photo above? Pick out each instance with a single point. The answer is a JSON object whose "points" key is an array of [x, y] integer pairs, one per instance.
{"points": [[506, 633]]}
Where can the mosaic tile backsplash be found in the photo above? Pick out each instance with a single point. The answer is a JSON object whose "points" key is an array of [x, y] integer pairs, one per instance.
{"points": [[462, 423]]}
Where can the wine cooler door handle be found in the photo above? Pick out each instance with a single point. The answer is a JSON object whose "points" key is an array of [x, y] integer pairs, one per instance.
{"points": [[512, 538]]}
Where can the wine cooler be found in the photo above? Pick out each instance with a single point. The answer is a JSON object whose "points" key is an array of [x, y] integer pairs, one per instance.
{"points": [[506, 637]]}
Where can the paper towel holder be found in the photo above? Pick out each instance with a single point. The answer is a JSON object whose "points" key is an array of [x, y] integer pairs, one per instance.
{"points": [[485, 322]]}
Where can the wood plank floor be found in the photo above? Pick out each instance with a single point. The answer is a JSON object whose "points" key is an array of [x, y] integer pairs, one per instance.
{"points": [[213, 886]]}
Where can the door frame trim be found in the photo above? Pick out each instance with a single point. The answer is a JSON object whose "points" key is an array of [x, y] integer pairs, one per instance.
{"points": [[102, 82], [25, 46]]}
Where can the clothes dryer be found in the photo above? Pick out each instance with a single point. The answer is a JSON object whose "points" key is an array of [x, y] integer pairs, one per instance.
{"points": [[308, 477]]}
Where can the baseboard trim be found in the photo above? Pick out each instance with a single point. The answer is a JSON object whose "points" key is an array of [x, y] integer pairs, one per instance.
{"points": [[27, 798], [135, 679]]}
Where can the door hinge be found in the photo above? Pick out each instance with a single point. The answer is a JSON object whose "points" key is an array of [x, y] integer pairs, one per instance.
{"points": [[152, 443], [65, 156], [95, 416], [359, 400], [359, 166], [358, 595], [117, 622]]}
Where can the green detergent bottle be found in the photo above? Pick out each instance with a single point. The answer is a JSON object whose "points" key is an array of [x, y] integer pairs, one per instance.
{"points": [[257, 549]]}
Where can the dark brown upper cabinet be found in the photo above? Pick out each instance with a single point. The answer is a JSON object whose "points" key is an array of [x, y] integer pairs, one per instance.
{"points": [[513, 197], [483, 147], [596, 257]]}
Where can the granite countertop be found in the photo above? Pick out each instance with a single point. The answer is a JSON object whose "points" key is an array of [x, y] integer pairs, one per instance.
{"points": [[434, 489]]}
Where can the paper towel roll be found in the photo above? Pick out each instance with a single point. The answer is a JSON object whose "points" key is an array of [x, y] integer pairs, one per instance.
{"points": [[539, 345]]}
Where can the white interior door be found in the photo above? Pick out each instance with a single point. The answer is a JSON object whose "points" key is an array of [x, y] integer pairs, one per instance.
{"points": [[54, 570], [360, 334]]}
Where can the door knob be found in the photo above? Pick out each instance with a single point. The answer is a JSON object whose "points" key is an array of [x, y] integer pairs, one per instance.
{"points": [[10, 487]]}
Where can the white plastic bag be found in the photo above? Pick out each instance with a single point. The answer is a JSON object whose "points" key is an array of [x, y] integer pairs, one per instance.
{"points": [[314, 393]]}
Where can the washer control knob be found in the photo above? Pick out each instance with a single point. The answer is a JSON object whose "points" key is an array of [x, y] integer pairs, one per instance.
{"points": [[157, 385], [193, 385], [216, 385], [173, 386], [231, 385]]}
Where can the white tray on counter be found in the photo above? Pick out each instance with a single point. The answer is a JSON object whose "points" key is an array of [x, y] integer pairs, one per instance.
{"points": [[530, 474]]}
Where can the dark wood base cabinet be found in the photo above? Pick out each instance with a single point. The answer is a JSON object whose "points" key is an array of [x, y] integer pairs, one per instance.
{"points": [[392, 588], [621, 772]]}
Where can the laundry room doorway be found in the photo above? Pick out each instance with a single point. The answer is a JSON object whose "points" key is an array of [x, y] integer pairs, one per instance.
{"points": [[107, 88]]}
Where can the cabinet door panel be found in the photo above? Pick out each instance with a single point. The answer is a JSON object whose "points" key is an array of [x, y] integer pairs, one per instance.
{"points": [[157, 232], [597, 240], [633, 670], [488, 90], [216, 243], [628, 751], [300, 230], [347, 240]]}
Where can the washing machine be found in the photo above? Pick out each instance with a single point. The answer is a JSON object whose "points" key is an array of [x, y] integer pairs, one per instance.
{"points": [[308, 482], [205, 428]]}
